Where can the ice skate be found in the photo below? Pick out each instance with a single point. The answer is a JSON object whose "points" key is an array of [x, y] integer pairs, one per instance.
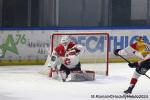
{"points": [[128, 91]]}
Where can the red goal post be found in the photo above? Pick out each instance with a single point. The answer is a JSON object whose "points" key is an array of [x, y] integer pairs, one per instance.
{"points": [[96, 56]]}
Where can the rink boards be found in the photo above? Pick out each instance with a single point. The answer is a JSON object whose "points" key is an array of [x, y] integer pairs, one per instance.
{"points": [[23, 46]]}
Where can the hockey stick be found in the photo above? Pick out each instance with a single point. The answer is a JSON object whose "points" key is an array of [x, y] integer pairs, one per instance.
{"points": [[124, 59], [130, 62], [147, 76]]}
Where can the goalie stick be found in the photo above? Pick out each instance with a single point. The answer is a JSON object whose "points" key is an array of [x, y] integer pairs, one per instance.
{"points": [[130, 62]]}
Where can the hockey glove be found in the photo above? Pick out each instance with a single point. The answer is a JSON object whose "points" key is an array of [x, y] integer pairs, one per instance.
{"points": [[116, 52], [144, 67], [133, 65], [141, 71]]}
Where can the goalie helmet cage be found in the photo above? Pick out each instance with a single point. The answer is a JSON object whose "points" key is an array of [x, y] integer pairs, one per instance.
{"points": [[96, 56]]}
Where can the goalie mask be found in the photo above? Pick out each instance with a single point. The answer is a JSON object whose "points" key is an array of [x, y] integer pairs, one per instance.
{"points": [[65, 40]]}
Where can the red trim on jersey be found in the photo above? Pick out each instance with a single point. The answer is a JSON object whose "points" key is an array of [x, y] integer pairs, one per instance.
{"points": [[133, 45]]}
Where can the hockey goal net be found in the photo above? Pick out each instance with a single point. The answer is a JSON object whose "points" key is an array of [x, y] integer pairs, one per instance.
{"points": [[95, 57]]}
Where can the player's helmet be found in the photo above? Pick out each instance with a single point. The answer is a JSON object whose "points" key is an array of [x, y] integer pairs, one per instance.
{"points": [[139, 39], [140, 44], [65, 40]]}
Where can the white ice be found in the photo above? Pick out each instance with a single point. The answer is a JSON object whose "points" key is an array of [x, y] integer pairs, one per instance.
{"points": [[26, 83]]}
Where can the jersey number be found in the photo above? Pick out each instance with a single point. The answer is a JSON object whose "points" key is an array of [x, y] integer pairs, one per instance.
{"points": [[67, 61]]}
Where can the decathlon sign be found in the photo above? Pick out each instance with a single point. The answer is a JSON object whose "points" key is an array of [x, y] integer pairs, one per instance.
{"points": [[98, 43], [92, 43]]}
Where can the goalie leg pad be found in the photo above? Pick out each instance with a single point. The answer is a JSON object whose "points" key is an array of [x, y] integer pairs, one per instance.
{"points": [[63, 76], [82, 76]]}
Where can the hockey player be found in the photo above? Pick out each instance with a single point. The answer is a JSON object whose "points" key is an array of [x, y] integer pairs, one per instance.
{"points": [[67, 53], [141, 50]]}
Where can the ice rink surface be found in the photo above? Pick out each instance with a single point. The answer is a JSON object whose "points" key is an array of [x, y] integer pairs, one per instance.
{"points": [[26, 83]]}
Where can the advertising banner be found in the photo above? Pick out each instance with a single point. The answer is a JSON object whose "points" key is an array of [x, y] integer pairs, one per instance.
{"points": [[24, 46], [32, 46]]}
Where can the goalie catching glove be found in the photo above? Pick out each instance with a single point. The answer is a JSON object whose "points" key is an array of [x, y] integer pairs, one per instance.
{"points": [[72, 52], [76, 50]]}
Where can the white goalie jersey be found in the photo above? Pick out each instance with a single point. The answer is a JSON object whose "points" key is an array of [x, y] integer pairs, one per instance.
{"points": [[70, 57]]}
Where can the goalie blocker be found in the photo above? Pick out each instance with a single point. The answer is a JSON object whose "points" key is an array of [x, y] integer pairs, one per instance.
{"points": [[75, 76]]}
